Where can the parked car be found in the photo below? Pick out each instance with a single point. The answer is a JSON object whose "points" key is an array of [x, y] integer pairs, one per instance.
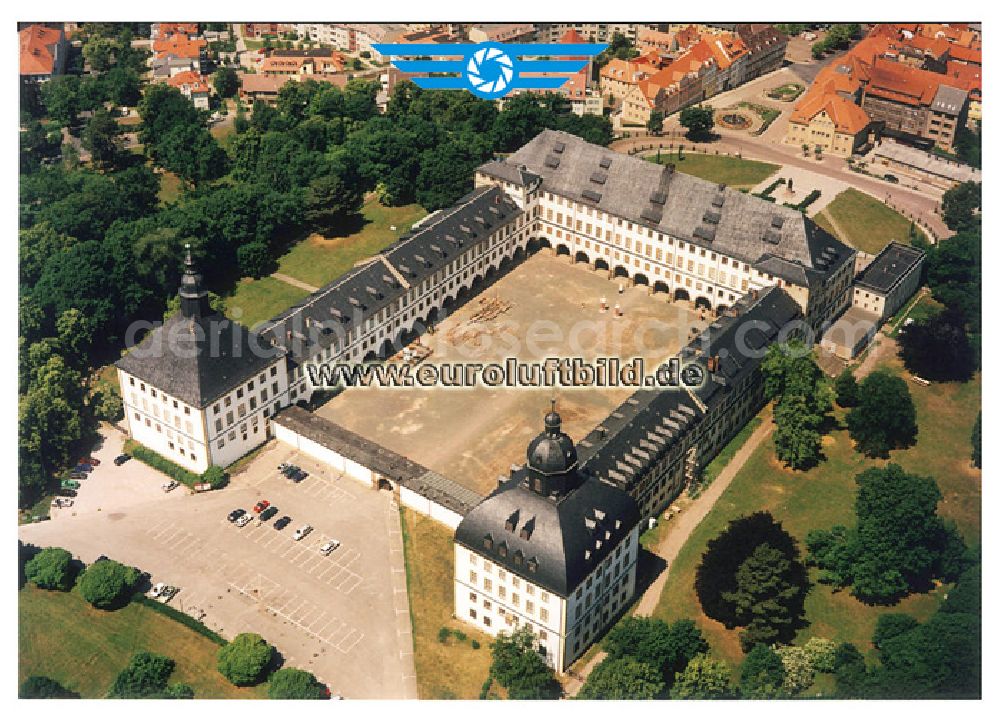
{"points": [[121, 459], [282, 522], [163, 592], [268, 513], [169, 486], [79, 473], [329, 547], [83, 467], [302, 532], [891, 178], [69, 484], [244, 520], [40, 517], [61, 503], [261, 505], [93, 462], [67, 492], [236, 514]]}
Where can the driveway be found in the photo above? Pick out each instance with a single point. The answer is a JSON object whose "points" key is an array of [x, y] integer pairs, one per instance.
{"points": [[343, 617]]}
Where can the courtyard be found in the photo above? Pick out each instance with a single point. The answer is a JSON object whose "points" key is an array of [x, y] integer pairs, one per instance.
{"points": [[550, 308]]}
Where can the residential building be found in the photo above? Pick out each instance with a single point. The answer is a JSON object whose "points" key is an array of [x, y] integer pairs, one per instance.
{"points": [[367, 35], [163, 68], [179, 47], [43, 52], [826, 120], [163, 30], [554, 548], [765, 47], [619, 77], [303, 62], [265, 87], [592, 31], [200, 389], [193, 86], [500, 32], [257, 30]]}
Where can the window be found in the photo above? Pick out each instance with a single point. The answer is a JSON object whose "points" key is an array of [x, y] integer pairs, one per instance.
{"points": [[472, 596], [486, 621], [545, 597], [544, 614], [488, 585], [472, 612], [473, 576]]}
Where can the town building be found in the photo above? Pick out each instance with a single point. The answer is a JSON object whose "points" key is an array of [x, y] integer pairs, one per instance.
{"points": [[592, 31], [766, 46], [902, 160], [265, 87], [880, 289], [258, 30], [200, 389], [43, 52], [619, 77], [179, 48], [502, 32], [303, 63], [163, 30], [827, 120], [554, 548], [193, 86]]}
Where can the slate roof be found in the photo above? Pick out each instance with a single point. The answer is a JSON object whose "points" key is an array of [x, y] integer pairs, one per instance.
{"points": [[321, 319], [746, 229], [889, 267], [554, 543], [198, 360]]}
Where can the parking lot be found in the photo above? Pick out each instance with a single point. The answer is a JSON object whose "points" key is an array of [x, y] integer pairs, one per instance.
{"points": [[343, 616]]}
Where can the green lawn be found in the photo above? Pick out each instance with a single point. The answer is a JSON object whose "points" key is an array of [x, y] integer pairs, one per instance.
{"points": [[868, 223], [63, 637], [444, 670], [255, 301], [737, 173], [823, 497], [317, 260], [170, 187]]}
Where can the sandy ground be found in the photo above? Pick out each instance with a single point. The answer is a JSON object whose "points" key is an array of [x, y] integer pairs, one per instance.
{"points": [[474, 435]]}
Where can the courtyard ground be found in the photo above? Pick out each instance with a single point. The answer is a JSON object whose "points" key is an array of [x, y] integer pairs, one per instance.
{"points": [[472, 436], [823, 497], [255, 301], [336, 616]]}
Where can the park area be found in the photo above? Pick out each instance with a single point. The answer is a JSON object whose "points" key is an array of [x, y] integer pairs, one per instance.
{"points": [[823, 497], [863, 221], [63, 637], [549, 308], [731, 171]]}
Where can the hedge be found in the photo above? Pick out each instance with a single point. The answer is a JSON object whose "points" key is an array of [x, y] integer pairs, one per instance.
{"points": [[172, 470], [182, 618]]}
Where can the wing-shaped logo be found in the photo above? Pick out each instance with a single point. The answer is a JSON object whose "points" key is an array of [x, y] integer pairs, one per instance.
{"points": [[490, 69]]}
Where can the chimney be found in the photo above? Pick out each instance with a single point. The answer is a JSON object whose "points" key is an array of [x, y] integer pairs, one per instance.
{"points": [[713, 363]]}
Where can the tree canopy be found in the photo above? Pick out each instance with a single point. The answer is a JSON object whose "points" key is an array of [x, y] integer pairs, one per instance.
{"points": [[245, 659], [802, 399], [51, 568], [295, 684], [107, 583], [518, 667], [622, 679], [885, 417], [938, 348]]}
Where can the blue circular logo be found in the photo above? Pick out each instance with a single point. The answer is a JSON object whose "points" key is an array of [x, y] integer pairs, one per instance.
{"points": [[489, 71]]}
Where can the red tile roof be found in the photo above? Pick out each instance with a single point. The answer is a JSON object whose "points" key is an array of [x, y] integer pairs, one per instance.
{"points": [[38, 54], [847, 117], [179, 46], [194, 82]]}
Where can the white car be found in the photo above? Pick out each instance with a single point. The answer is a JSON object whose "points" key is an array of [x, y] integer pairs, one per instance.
{"points": [[244, 520], [302, 532], [163, 592], [329, 547], [169, 486]]}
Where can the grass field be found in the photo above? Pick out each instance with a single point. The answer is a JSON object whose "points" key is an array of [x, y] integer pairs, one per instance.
{"points": [[444, 670], [737, 173], [170, 187], [317, 260], [867, 223], [63, 637], [823, 497], [254, 301]]}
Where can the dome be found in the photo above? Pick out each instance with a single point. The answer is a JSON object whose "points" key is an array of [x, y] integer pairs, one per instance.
{"points": [[552, 452]]}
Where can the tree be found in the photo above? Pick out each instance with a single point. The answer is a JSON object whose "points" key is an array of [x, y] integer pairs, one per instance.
{"points": [[254, 259], [244, 660], [144, 677], [100, 138], [99, 52], [899, 543], [977, 441], [295, 684], [330, 200], [955, 276], [938, 348], [762, 674], [622, 679], [226, 82], [51, 568], [803, 398], [38, 687], [731, 592], [799, 671], [50, 414], [890, 625], [123, 86], [61, 100], [666, 647], [698, 120], [821, 653], [703, 679], [519, 668], [107, 583], [655, 123], [884, 417], [797, 438], [846, 387], [850, 671], [959, 205], [108, 406], [216, 476], [768, 596]]}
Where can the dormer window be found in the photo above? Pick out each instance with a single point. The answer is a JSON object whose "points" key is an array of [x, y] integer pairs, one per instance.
{"points": [[488, 542], [503, 549]]}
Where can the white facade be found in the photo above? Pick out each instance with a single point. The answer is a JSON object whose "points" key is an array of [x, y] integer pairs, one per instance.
{"points": [[495, 601], [197, 438]]}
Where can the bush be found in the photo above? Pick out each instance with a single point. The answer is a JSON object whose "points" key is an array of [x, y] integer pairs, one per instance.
{"points": [[154, 460], [799, 671], [459, 636], [475, 644], [107, 583], [295, 684], [245, 660], [108, 406], [821, 653], [215, 476], [145, 676], [443, 634], [39, 687], [51, 568], [180, 617]]}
